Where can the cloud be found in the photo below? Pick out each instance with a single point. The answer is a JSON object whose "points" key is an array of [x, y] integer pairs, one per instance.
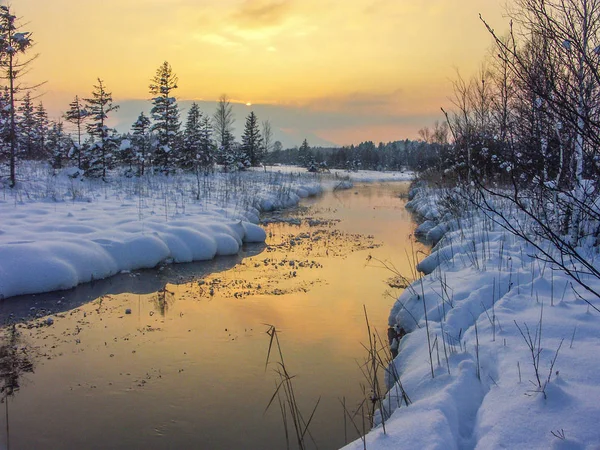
{"points": [[218, 39], [365, 103], [376, 106], [261, 13], [255, 21]]}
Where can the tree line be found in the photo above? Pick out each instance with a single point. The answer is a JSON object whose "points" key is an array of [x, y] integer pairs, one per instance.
{"points": [[418, 155], [160, 142]]}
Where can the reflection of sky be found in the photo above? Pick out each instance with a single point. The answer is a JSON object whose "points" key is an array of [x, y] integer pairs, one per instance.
{"points": [[202, 363], [385, 60]]}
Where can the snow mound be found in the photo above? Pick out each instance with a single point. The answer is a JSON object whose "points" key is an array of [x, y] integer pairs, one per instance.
{"points": [[60, 230], [65, 255]]}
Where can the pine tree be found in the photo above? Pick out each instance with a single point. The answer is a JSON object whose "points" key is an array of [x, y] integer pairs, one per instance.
{"points": [[188, 158], [165, 114], [26, 128], [13, 43], [41, 131], [100, 152], [228, 153], [303, 152], [4, 125], [207, 148], [58, 145], [141, 141], [305, 157], [252, 142], [127, 154], [77, 115]]}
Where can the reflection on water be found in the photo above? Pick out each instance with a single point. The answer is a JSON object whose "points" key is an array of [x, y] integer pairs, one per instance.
{"points": [[139, 282], [175, 358]]}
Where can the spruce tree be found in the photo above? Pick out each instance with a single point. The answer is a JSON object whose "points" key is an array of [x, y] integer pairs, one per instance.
{"points": [[252, 142], [4, 124], [189, 155], [13, 44], [26, 128], [58, 145], [77, 115], [101, 151], [127, 154], [141, 141], [305, 157], [207, 148], [41, 132], [165, 114]]}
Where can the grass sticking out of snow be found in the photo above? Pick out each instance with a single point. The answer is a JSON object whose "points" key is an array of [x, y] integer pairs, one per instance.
{"points": [[495, 323], [58, 230]]}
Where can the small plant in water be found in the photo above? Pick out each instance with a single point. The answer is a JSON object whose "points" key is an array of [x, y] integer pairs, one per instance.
{"points": [[14, 362], [286, 397]]}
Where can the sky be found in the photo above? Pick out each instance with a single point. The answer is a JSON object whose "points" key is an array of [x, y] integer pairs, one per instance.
{"points": [[332, 71]]}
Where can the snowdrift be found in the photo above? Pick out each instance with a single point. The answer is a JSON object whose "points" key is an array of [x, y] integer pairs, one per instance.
{"points": [[511, 341], [60, 232]]}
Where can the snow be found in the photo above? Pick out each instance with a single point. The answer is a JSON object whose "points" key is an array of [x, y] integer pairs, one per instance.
{"points": [[482, 288], [369, 176], [60, 231], [125, 144], [358, 176], [482, 292]]}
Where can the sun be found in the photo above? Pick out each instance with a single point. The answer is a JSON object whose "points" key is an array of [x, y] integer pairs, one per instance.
{"points": [[248, 104]]}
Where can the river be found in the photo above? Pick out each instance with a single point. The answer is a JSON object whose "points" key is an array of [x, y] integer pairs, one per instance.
{"points": [[175, 357]]}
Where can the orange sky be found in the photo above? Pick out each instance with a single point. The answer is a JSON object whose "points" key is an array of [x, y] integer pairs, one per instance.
{"points": [[366, 58]]}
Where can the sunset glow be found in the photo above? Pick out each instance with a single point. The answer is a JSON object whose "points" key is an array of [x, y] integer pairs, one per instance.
{"points": [[384, 59]]}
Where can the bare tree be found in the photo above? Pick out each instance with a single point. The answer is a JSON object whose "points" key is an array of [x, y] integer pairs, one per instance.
{"points": [[544, 116], [267, 136], [223, 120]]}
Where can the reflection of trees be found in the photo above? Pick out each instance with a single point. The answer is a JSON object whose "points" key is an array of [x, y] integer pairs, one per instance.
{"points": [[14, 362], [162, 300], [142, 282]]}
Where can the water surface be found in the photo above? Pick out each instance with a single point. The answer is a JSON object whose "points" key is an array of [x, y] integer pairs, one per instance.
{"points": [[175, 358]]}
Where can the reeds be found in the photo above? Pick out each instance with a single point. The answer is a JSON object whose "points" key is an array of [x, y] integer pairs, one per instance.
{"points": [[286, 396]]}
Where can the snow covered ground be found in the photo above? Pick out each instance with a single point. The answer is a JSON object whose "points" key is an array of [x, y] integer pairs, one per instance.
{"points": [[59, 231], [369, 176], [359, 176], [513, 345]]}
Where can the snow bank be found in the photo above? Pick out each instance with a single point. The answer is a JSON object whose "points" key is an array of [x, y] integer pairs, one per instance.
{"points": [[62, 253], [362, 176], [59, 232], [371, 176], [483, 289]]}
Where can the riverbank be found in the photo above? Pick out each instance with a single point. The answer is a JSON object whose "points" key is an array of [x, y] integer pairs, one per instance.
{"points": [[175, 357], [60, 230], [502, 346]]}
